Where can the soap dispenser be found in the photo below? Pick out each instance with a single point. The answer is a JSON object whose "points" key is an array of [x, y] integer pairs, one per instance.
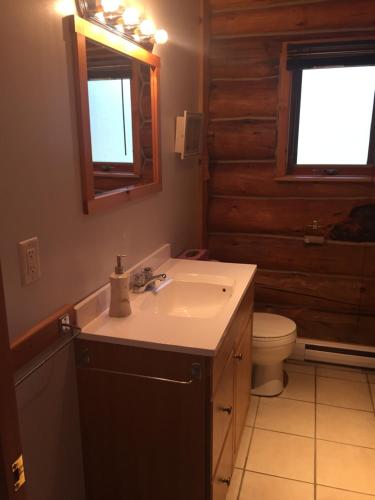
{"points": [[120, 302]]}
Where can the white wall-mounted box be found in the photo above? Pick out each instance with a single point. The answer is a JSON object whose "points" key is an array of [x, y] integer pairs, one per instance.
{"points": [[189, 130]]}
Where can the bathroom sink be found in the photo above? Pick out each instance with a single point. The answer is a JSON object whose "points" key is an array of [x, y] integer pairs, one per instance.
{"points": [[189, 296], [188, 312]]}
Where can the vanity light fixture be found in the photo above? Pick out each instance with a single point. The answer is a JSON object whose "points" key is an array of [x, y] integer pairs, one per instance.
{"points": [[129, 21]]}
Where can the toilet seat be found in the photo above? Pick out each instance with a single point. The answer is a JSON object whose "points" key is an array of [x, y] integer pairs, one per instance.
{"points": [[273, 329]]}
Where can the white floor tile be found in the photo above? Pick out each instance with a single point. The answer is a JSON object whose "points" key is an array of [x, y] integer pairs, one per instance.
{"points": [[344, 393], [244, 447], [324, 493], [235, 484], [347, 467], [282, 455], [286, 415], [294, 366], [341, 373], [260, 487], [250, 419], [300, 386], [345, 426]]}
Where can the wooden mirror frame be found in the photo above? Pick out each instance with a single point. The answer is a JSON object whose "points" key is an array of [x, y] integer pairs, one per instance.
{"points": [[82, 30]]}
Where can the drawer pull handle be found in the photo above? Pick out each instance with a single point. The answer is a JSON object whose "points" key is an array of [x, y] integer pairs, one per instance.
{"points": [[227, 409], [238, 356], [226, 480]]}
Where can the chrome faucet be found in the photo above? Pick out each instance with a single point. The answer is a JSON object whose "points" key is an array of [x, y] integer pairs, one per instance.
{"points": [[145, 280]]}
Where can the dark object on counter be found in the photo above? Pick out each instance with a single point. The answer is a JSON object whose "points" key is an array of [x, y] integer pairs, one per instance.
{"points": [[194, 254], [358, 227]]}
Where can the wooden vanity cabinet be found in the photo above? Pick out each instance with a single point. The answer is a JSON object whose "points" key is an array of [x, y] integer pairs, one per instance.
{"points": [[162, 425]]}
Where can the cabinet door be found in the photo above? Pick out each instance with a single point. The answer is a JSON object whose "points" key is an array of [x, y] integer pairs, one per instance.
{"points": [[242, 386], [142, 439], [223, 475]]}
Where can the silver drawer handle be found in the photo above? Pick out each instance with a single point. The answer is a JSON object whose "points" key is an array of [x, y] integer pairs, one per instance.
{"points": [[226, 480], [227, 409]]}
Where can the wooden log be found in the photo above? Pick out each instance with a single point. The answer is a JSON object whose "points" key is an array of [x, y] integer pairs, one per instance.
{"points": [[252, 179], [275, 215], [366, 330], [324, 325], [244, 58], [337, 15], [243, 98], [246, 139], [367, 305], [288, 253], [317, 291], [146, 135], [257, 4], [146, 102], [369, 260]]}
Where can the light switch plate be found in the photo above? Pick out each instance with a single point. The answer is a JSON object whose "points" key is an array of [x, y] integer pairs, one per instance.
{"points": [[29, 261]]}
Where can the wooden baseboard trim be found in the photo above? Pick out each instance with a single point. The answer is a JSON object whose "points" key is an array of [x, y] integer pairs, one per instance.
{"points": [[38, 338]]}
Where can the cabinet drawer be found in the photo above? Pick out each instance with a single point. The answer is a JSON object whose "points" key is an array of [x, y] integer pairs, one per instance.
{"points": [[222, 411], [221, 481]]}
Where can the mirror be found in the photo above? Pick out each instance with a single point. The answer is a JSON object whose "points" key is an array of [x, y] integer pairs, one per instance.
{"points": [[117, 101]]}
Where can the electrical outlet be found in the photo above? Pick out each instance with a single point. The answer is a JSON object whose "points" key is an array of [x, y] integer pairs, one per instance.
{"points": [[29, 261]]}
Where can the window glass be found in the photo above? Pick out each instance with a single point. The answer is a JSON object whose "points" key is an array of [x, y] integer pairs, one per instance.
{"points": [[335, 115], [111, 121]]}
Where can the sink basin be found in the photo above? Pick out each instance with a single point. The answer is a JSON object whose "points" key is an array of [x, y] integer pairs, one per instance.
{"points": [[189, 296]]}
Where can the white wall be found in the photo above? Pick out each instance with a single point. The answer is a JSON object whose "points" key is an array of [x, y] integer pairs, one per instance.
{"points": [[40, 192], [40, 195]]}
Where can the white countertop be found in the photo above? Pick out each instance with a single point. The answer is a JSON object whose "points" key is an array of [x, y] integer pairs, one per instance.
{"points": [[144, 328]]}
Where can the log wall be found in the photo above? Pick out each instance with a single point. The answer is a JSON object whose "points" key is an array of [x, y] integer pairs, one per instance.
{"points": [[329, 289]]}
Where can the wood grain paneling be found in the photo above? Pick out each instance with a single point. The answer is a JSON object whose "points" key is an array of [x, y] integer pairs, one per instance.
{"points": [[324, 325], [254, 4], [338, 15], [243, 98], [366, 330], [274, 215], [258, 179], [312, 291], [254, 218], [244, 58], [246, 139], [369, 260], [368, 297], [288, 253]]}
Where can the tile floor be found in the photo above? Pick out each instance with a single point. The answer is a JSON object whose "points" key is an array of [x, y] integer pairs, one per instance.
{"points": [[316, 441]]}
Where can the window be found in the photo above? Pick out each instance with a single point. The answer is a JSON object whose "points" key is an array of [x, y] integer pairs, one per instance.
{"points": [[111, 121], [330, 121]]}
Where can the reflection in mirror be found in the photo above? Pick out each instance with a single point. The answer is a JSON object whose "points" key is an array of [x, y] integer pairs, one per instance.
{"points": [[120, 118], [117, 85]]}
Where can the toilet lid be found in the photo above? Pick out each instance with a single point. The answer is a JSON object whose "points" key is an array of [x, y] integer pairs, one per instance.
{"points": [[272, 326]]}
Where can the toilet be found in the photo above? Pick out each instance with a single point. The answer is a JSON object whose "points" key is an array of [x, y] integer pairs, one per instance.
{"points": [[273, 339]]}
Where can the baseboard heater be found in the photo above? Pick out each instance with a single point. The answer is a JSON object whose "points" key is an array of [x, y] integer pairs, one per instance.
{"points": [[334, 352]]}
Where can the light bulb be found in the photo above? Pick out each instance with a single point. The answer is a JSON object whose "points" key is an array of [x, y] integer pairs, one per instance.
{"points": [[100, 17], [161, 36], [147, 27], [110, 5], [65, 7], [131, 16]]}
